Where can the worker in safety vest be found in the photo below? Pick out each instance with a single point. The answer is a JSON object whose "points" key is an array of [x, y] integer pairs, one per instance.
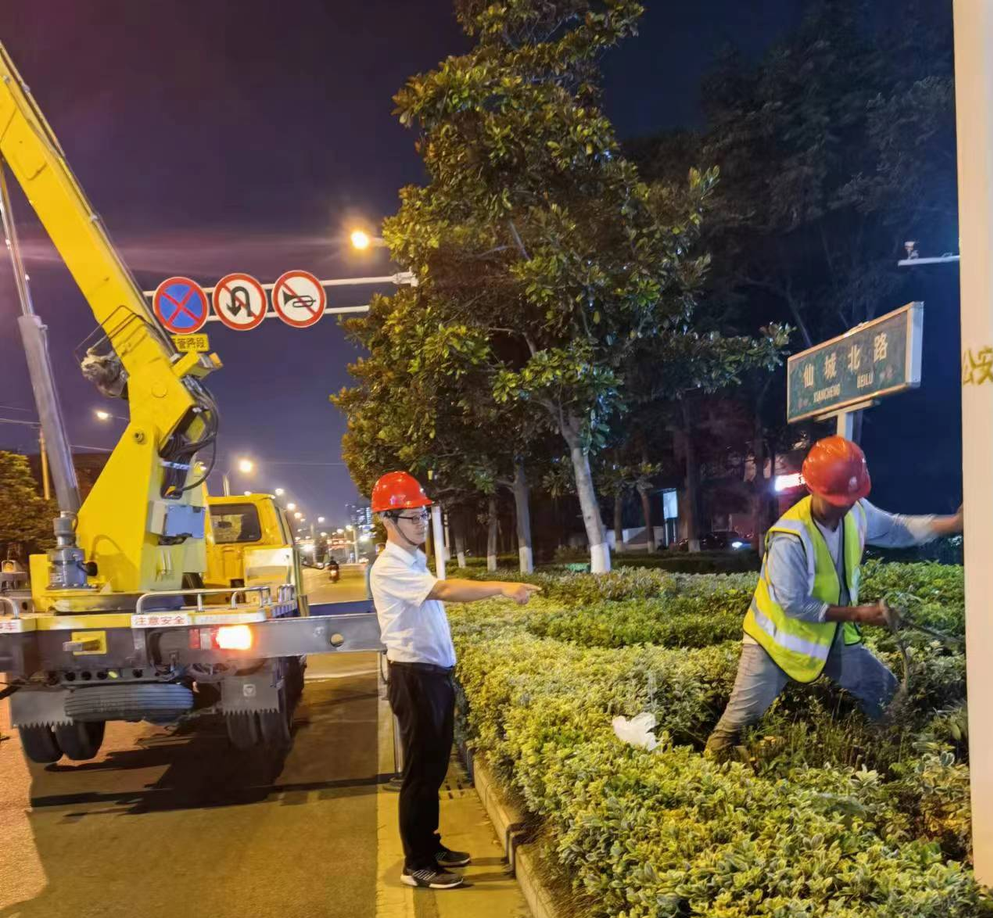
{"points": [[805, 617], [409, 602]]}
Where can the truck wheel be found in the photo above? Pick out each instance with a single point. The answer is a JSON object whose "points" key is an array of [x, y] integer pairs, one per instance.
{"points": [[81, 739], [275, 725], [243, 730], [294, 679], [39, 744]]}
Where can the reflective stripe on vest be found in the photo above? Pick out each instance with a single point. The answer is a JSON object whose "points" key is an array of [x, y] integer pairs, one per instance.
{"points": [[800, 648]]}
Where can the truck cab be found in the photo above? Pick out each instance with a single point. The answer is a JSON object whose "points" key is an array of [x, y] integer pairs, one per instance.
{"points": [[249, 544]]}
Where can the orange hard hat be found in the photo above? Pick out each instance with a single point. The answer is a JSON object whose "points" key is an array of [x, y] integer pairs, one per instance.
{"points": [[398, 491], [835, 469]]}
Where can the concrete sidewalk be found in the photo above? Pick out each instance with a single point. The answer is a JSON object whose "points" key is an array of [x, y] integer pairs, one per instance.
{"points": [[489, 892]]}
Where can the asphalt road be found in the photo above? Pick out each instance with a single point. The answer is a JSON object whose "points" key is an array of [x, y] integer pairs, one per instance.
{"points": [[172, 821], [320, 590]]}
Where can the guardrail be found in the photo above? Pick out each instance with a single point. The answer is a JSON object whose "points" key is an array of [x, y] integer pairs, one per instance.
{"points": [[285, 593]]}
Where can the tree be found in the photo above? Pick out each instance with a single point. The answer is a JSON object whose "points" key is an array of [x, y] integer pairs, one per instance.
{"points": [[420, 404], [25, 516], [534, 234]]}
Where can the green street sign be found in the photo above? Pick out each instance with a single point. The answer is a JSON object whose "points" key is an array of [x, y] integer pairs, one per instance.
{"points": [[872, 360]]}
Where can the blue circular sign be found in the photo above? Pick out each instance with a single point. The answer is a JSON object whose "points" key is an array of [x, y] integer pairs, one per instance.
{"points": [[180, 305]]}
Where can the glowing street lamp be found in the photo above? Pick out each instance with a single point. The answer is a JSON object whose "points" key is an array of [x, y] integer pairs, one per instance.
{"points": [[246, 466], [320, 519], [291, 506], [279, 492], [298, 515]]}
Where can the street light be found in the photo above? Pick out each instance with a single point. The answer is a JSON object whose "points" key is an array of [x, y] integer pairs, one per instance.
{"points": [[279, 492], [298, 515], [361, 240], [246, 466], [102, 415], [291, 506], [320, 519]]}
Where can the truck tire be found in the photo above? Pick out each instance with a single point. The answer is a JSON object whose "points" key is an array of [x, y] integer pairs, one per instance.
{"points": [[295, 667], [81, 740], [275, 725], [159, 703], [243, 730], [39, 744]]}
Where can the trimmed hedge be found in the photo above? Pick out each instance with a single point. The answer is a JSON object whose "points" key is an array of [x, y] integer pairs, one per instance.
{"points": [[830, 816]]}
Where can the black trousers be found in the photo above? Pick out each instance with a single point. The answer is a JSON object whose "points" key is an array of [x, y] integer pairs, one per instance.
{"points": [[423, 700]]}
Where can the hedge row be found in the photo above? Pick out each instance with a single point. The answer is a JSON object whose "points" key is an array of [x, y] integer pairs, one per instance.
{"points": [[830, 815]]}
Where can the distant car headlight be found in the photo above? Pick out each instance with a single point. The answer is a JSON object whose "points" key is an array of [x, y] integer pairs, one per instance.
{"points": [[737, 544]]}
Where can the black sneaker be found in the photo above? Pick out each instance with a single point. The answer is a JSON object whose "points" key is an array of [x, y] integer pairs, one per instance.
{"points": [[430, 879], [447, 858]]}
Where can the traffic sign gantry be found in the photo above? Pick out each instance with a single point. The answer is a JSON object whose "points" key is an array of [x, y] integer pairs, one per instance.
{"points": [[240, 302], [299, 299], [181, 305]]}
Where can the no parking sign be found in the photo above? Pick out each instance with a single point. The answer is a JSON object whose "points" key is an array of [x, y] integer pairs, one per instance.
{"points": [[180, 304]]}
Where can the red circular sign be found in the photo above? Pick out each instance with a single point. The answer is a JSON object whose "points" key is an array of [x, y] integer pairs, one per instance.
{"points": [[299, 299], [240, 302]]}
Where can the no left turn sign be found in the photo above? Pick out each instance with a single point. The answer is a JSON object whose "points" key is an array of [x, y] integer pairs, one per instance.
{"points": [[240, 302], [299, 299]]}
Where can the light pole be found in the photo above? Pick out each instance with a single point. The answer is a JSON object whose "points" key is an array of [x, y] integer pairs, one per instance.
{"points": [[974, 117], [245, 466]]}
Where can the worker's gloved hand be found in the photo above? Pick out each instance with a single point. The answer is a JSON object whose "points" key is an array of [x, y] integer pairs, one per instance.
{"points": [[877, 613], [521, 593]]}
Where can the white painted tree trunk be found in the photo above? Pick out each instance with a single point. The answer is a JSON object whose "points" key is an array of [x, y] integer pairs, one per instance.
{"points": [[458, 525], [491, 536], [595, 531], [522, 507]]}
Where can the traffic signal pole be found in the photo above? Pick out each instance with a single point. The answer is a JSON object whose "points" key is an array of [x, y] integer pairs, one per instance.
{"points": [[974, 114]]}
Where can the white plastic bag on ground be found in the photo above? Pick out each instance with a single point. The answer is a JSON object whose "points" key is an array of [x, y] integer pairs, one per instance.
{"points": [[637, 731]]}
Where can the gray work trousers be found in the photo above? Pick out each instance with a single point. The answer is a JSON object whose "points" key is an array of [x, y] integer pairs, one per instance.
{"points": [[760, 680]]}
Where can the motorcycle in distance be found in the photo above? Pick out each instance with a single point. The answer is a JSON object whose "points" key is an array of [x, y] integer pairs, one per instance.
{"points": [[334, 571]]}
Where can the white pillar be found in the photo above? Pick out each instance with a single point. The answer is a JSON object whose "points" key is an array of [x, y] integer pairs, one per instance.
{"points": [[846, 426], [974, 114], [439, 542]]}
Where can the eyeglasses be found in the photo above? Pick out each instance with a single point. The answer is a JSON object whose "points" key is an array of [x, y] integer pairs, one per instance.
{"points": [[421, 517]]}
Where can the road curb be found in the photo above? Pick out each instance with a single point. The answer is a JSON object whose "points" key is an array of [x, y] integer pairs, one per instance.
{"points": [[510, 827]]}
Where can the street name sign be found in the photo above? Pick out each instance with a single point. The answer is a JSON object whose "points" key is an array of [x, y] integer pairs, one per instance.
{"points": [[870, 361]]}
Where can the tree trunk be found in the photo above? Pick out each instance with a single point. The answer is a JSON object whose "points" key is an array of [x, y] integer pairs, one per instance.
{"points": [[692, 479], [458, 528], [595, 533], [492, 533], [646, 512], [760, 487], [618, 522], [446, 534], [523, 513]]}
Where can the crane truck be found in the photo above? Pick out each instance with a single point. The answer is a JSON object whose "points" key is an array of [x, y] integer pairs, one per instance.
{"points": [[157, 602]]}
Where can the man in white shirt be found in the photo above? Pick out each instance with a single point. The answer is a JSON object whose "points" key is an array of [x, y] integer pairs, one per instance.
{"points": [[409, 602]]}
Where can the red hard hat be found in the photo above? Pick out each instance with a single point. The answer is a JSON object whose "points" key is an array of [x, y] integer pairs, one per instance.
{"points": [[398, 491], [835, 469]]}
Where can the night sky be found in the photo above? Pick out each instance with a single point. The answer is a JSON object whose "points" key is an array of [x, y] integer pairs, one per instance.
{"points": [[218, 136]]}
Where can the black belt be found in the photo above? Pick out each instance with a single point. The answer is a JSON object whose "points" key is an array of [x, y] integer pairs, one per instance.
{"points": [[424, 668]]}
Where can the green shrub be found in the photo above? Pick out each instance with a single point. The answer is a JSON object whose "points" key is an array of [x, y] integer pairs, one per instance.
{"points": [[831, 816]]}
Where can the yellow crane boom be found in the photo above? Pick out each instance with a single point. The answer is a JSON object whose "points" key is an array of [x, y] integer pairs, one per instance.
{"points": [[141, 527]]}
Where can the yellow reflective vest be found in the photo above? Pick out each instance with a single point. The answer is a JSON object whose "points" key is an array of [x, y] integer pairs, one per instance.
{"points": [[800, 648]]}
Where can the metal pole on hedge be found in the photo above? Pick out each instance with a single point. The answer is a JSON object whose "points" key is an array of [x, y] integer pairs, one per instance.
{"points": [[974, 115]]}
